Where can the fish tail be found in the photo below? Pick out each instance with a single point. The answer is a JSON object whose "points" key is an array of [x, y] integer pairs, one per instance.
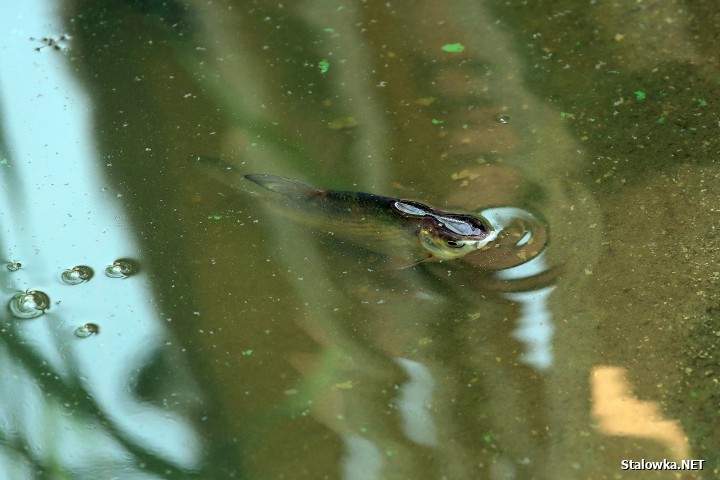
{"points": [[285, 186]]}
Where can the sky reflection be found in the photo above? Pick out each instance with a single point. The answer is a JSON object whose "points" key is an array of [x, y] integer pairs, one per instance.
{"points": [[63, 393]]}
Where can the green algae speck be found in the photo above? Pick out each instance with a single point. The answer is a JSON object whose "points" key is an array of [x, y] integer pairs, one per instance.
{"points": [[323, 65], [453, 47]]}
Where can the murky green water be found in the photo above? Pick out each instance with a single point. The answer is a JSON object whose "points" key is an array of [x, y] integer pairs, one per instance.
{"points": [[191, 332]]}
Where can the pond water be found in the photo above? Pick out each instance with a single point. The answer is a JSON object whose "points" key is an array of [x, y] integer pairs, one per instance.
{"points": [[166, 321]]}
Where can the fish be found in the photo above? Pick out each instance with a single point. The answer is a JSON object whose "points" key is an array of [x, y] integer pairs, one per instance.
{"points": [[406, 230]]}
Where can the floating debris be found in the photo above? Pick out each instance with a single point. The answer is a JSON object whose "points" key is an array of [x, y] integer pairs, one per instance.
{"points": [[343, 123], [425, 101], [465, 173], [453, 48], [59, 43]]}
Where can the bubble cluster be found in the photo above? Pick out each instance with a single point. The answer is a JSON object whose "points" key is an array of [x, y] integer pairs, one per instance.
{"points": [[76, 275], [33, 303], [122, 268], [87, 330], [30, 304]]}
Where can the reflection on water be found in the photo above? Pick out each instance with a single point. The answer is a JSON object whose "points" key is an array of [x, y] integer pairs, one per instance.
{"points": [[584, 335], [72, 407], [620, 413]]}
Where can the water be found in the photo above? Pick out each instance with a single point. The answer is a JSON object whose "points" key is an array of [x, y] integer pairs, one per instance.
{"points": [[190, 332]]}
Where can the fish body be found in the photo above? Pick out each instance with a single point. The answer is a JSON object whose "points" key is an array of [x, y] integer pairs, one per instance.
{"points": [[397, 228]]}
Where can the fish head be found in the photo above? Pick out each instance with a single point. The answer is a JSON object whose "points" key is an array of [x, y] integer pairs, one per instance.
{"points": [[446, 235], [447, 240]]}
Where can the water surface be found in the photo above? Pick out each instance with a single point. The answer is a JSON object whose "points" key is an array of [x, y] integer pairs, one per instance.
{"points": [[246, 345]]}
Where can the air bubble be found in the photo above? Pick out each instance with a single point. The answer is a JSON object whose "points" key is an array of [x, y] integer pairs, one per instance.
{"points": [[84, 331], [122, 268], [77, 275], [14, 266], [502, 118], [30, 304]]}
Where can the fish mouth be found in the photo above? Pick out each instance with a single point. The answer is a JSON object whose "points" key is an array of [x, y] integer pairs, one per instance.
{"points": [[476, 242], [491, 235]]}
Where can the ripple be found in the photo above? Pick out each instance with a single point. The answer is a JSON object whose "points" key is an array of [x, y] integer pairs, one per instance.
{"points": [[521, 238]]}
